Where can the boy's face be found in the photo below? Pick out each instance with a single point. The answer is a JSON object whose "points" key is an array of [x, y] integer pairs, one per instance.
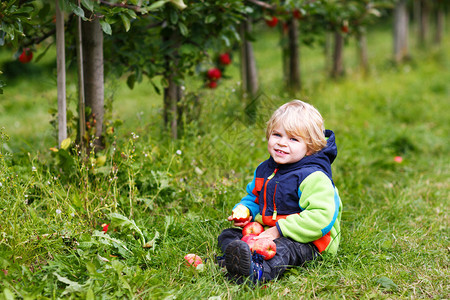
{"points": [[284, 148]]}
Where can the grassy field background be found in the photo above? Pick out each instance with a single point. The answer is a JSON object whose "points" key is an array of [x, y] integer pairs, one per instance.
{"points": [[174, 196]]}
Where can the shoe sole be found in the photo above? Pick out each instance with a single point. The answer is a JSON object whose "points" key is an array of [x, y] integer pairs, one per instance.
{"points": [[238, 259]]}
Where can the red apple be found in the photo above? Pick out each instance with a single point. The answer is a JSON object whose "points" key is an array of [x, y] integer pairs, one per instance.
{"points": [[272, 22], [212, 84], [240, 213], [193, 260], [344, 28], [250, 240], [225, 59], [26, 56], [248, 237], [252, 228], [266, 247], [214, 74], [297, 14]]}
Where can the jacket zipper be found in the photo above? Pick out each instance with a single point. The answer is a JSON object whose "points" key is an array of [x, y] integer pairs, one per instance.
{"points": [[274, 215], [265, 191]]}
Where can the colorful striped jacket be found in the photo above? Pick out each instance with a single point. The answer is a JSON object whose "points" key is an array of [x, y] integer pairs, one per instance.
{"points": [[299, 198]]}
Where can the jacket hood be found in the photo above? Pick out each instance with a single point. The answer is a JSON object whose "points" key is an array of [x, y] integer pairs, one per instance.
{"points": [[322, 159]]}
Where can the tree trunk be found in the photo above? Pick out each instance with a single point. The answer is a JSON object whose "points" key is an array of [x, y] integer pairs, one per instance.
{"points": [[362, 53], [61, 75], [338, 56], [81, 100], [440, 24], [327, 51], [249, 74], [172, 93], [401, 22], [294, 82], [93, 76], [172, 96], [424, 23]]}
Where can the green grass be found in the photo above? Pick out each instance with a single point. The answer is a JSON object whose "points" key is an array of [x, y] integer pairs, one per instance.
{"points": [[395, 220]]}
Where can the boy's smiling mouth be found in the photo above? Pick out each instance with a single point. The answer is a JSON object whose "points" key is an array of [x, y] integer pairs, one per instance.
{"points": [[281, 151]]}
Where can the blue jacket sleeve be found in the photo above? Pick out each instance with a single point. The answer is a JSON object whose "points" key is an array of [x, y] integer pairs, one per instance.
{"points": [[249, 199]]}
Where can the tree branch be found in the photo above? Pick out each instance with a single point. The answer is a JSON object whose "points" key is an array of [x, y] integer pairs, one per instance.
{"points": [[262, 4]]}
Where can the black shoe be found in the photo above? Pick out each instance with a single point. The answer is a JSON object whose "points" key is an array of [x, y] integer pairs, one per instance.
{"points": [[220, 260], [240, 262]]}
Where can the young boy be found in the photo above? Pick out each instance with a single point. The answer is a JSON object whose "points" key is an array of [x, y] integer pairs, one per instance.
{"points": [[292, 193]]}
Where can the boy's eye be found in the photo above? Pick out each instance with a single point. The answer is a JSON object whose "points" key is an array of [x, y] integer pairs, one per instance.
{"points": [[276, 134], [294, 139]]}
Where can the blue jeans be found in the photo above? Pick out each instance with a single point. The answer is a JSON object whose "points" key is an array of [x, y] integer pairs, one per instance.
{"points": [[289, 253]]}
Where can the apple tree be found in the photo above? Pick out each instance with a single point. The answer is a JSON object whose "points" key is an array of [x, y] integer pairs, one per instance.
{"points": [[28, 23], [168, 44]]}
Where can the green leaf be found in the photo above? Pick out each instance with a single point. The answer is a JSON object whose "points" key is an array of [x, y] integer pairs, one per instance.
{"points": [[387, 283], [89, 4], [108, 240], [66, 143], [122, 221], [126, 22], [72, 287], [210, 19], [179, 4], [105, 27], [77, 10], [157, 5], [183, 29], [173, 15], [131, 80]]}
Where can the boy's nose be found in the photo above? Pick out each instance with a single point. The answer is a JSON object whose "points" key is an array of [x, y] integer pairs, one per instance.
{"points": [[282, 142]]}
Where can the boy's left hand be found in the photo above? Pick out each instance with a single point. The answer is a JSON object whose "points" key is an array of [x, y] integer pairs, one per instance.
{"points": [[271, 233]]}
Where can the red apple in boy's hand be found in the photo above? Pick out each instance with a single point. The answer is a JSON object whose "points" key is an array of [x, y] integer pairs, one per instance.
{"points": [[193, 260], [240, 213], [252, 228], [266, 247]]}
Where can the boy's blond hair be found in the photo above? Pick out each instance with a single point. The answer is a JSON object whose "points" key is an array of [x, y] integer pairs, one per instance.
{"points": [[300, 119]]}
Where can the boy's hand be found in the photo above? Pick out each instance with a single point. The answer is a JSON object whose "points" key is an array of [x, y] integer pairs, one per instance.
{"points": [[240, 224], [271, 234]]}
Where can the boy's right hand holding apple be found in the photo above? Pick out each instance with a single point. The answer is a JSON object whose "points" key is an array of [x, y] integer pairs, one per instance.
{"points": [[240, 215]]}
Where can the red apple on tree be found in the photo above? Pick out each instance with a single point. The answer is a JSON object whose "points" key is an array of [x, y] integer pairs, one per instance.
{"points": [[297, 14], [252, 228], [240, 213], [225, 59], [26, 56], [214, 74], [344, 28], [266, 247], [212, 84], [272, 21]]}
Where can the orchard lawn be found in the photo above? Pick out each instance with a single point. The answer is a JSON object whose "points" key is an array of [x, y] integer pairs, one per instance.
{"points": [[164, 199]]}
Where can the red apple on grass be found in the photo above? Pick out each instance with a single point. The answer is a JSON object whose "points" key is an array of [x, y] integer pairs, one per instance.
{"points": [[252, 228], [266, 247], [193, 260], [240, 213]]}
